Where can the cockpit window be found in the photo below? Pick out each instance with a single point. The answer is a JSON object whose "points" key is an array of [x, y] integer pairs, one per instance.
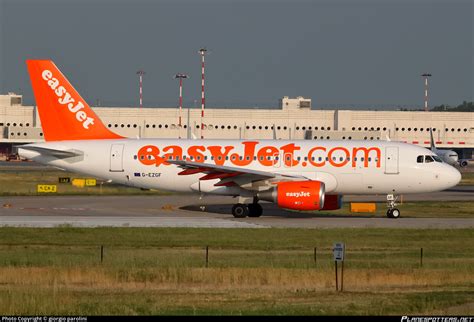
{"points": [[428, 159], [437, 158], [419, 159]]}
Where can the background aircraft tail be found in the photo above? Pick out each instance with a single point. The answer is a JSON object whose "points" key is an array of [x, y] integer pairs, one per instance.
{"points": [[64, 114], [432, 143]]}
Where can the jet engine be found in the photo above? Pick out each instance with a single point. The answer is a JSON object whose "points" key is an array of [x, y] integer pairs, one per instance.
{"points": [[297, 195]]}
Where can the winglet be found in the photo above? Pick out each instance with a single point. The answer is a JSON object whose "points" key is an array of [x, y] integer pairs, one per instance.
{"points": [[64, 114]]}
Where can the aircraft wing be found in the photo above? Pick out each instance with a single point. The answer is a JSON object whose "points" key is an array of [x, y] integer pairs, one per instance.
{"points": [[231, 176]]}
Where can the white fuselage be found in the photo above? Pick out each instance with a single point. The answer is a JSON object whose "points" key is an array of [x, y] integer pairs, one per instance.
{"points": [[346, 167]]}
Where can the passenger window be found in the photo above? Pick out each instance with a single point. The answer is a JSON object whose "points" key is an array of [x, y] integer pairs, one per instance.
{"points": [[419, 159], [428, 159]]}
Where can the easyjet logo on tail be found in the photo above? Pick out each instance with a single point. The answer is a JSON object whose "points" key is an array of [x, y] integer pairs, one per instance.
{"points": [[64, 98]]}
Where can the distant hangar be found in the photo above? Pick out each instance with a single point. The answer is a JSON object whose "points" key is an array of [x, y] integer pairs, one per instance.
{"points": [[294, 119]]}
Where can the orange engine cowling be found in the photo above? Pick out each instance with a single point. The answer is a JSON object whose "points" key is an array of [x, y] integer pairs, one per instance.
{"points": [[297, 195]]}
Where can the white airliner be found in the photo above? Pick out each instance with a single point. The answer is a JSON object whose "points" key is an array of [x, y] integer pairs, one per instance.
{"points": [[448, 156], [297, 174]]}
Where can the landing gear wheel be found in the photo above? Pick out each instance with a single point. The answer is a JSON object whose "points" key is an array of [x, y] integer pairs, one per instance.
{"points": [[393, 213], [255, 210], [240, 210]]}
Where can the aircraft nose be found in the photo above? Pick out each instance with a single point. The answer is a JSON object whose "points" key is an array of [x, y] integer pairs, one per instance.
{"points": [[453, 176], [456, 175]]}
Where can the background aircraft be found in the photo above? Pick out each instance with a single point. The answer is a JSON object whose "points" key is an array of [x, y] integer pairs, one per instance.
{"points": [[449, 156]]}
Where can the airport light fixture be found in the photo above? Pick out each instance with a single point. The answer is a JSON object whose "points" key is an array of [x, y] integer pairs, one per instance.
{"points": [[426, 75], [180, 76]]}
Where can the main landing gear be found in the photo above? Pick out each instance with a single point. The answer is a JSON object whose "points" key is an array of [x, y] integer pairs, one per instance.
{"points": [[392, 212], [242, 210]]}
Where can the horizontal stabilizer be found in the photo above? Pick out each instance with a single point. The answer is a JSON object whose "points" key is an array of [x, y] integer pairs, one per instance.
{"points": [[59, 154]]}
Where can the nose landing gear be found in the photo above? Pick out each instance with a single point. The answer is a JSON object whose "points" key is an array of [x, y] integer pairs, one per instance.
{"points": [[392, 212]]}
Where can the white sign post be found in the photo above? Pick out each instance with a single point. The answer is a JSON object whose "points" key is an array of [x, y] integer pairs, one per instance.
{"points": [[338, 252]]}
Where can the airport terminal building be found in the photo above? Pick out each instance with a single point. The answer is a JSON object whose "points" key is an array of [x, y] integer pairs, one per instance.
{"points": [[294, 119]]}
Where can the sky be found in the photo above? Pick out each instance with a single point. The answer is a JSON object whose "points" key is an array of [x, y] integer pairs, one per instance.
{"points": [[339, 53]]}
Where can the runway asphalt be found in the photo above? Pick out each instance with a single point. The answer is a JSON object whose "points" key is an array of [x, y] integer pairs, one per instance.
{"points": [[189, 211]]}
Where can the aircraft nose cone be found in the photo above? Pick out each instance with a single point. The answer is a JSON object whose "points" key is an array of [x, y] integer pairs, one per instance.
{"points": [[450, 177], [455, 176]]}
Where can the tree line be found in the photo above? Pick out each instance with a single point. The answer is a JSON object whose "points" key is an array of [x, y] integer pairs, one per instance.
{"points": [[464, 107]]}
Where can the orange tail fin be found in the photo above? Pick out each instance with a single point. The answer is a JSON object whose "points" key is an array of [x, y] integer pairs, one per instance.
{"points": [[64, 114]]}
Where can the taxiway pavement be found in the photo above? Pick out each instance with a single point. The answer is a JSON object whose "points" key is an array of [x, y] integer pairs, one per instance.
{"points": [[183, 210]]}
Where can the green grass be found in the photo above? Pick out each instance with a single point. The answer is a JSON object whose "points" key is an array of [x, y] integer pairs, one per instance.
{"points": [[467, 178], [57, 271], [254, 239], [20, 182]]}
